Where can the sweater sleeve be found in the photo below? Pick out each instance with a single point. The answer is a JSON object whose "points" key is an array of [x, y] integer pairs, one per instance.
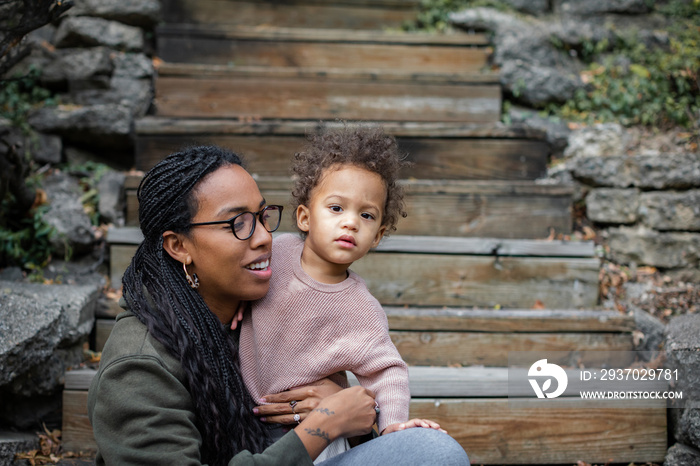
{"points": [[382, 370], [142, 414]]}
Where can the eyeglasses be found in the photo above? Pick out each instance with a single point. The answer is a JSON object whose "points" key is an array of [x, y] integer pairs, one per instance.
{"points": [[243, 224]]}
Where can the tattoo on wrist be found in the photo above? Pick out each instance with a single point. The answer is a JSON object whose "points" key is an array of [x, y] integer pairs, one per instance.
{"points": [[325, 411], [319, 433]]}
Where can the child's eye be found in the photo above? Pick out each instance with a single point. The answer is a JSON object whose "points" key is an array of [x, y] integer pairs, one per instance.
{"points": [[367, 216], [336, 208]]}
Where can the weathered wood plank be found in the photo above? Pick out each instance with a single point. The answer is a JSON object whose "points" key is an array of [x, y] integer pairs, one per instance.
{"points": [[119, 259], [79, 379], [486, 246], [493, 432], [103, 327], [77, 430], [161, 126], [332, 36], [518, 321], [436, 245], [464, 159], [442, 348], [509, 282], [320, 98], [444, 280], [348, 14], [495, 209], [341, 49], [334, 76]]}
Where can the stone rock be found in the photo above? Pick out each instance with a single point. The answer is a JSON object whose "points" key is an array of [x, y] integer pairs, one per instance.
{"points": [[681, 455], [574, 33], [132, 65], [612, 205], [688, 427], [11, 274], [112, 198], [682, 346], [89, 32], [532, 7], [12, 443], [596, 141], [556, 131], [135, 94], [77, 64], [600, 7], [41, 329], [48, 149], [671, 210], [106, 126], [533, 71], [535, 85], [652, 334], [142, 13], [674, 171], [643, 246], [67, 216]]}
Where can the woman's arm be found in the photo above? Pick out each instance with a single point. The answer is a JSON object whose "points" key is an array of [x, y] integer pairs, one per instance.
{"points": [[142, 414]]}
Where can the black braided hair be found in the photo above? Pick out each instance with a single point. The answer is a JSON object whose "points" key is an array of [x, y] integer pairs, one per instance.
{"points": [[176, 315]]}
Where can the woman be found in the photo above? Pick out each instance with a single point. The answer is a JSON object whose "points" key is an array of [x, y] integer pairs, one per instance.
{"points": [[169, 389]]}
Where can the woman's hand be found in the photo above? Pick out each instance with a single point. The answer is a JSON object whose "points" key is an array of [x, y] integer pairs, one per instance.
{"points": [[426, 423], [238, 316], [307, 398]]}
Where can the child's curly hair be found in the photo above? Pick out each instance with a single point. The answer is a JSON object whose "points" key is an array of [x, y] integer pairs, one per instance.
{"points": [[364, 146]]}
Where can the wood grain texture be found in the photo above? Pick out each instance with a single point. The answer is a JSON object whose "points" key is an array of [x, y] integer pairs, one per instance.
{"points": [[464, 158], [440, 348], [466, 281], [492, 432], [495, 209], [409, 53], [77, 430], [348, 14], [320, 98], [517, 321]]}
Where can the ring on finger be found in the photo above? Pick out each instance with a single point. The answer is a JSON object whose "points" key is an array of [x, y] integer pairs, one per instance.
{"points": [[297, 418], [376, 408]]}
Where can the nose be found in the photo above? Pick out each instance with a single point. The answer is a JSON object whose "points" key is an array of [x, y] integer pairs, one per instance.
{"points": [[261, 237], [349, 221]]}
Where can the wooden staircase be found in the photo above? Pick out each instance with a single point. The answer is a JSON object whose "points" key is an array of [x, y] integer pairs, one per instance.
{"points": [[470, 277]]}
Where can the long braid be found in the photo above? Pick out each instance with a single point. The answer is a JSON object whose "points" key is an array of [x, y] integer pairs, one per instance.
{"points": [[177, 316]]}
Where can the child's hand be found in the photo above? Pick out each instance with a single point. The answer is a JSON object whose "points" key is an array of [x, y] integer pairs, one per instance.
{"points": [[428, 424], [238, 316]]}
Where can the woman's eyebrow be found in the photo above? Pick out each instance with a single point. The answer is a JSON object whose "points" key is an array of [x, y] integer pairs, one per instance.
{"points": [[237, 210]]}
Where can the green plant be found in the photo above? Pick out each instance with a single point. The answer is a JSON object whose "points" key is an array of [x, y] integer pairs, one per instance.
{"points": [[639, 85], [433, 15], [19, 95], [27, 242], [89, 174]]}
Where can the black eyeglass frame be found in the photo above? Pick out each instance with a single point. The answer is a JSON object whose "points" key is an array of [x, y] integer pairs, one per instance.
{"points": [[257, 217]]}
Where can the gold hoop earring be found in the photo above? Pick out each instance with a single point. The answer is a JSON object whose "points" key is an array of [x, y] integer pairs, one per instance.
{"points": [[193, 280]]}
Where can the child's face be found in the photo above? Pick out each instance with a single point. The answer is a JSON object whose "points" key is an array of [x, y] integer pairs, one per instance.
{"points": [[344, 216]]}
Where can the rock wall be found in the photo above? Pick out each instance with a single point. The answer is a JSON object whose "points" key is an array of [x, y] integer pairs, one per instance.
{"points": [[98, 59]]}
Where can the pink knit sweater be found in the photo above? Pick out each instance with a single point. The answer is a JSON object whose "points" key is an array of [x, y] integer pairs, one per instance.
{"points": [[303, 331]]}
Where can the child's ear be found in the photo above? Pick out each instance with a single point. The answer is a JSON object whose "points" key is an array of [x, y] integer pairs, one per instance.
{"points": [[378, 237], [175, 246], [303, 215]]}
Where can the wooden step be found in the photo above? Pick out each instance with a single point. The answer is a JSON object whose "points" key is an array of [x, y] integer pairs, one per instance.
{"points": [[498, 209], [406, 277], [479, 416], [323, 48], [345, 14], [467, 337], [435, 150], [209, 91]]}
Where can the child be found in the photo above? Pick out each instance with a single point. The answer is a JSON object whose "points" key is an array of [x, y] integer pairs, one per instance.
{"points": [[319, 319]]}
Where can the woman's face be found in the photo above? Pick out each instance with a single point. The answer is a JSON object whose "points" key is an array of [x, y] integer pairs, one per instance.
{"points": [[229, 270]]}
